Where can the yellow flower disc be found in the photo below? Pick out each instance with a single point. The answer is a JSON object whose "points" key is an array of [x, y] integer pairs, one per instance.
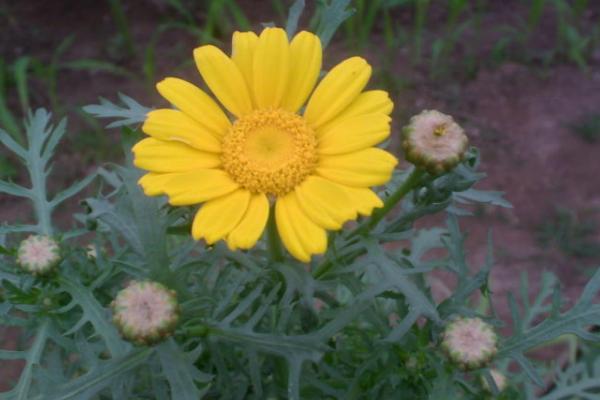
{"points": [[307, 148], [270, 151]]}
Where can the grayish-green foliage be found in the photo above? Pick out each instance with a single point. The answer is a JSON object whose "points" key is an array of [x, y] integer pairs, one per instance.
{"points": [[254, 327], [330, 15], [132, 114], [359, 322], [42, 139]]}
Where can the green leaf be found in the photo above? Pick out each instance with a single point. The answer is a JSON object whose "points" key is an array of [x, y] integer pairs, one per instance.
{"points": [[99, 378], [14, 189], [294, 17], [181, 372], [12, 145], [95, 314], [132, 114], [395, 279], [72, 190], [7, 119], [574, 321], [578, 381], [483, 197], [20, 70], [33, 358], [331, 15], [87, 64]]}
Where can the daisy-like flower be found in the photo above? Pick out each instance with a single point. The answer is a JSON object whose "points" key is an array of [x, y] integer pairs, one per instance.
{"points": [[434, 141], [469, 342], [315, 163], [145, 312], [38, 254]]}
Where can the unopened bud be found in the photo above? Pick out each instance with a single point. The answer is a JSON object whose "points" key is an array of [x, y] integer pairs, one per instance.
{"points": [[434, 141], [145, 312], [38, 254], [469, 342]]}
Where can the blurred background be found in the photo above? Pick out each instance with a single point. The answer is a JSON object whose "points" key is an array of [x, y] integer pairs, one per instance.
{"points": [[521, 76]]}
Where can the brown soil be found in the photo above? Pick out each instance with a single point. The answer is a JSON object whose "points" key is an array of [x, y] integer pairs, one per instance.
{"points": [[517, 115]]}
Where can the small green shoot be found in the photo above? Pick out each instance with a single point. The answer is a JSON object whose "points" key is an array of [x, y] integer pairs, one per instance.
{"points": [[587, 127], [574, 234]]}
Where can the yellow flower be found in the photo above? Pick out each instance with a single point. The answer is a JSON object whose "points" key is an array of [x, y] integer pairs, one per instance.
{"points": [[315, 164]]}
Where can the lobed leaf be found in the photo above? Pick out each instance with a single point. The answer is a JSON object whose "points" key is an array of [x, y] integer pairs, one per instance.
{"points": [[132, 114]]}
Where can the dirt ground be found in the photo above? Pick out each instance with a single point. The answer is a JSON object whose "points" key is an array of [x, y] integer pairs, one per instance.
{"points": [[517, 115]]}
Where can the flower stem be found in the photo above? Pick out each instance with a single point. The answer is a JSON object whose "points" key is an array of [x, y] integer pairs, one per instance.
{"points": [[409, 184], [274, 242]]}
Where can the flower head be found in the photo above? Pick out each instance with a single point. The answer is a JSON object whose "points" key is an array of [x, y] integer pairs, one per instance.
{"points": [[434, 142], [145, 312], [315, 164], [469, 342], [38, 254]]}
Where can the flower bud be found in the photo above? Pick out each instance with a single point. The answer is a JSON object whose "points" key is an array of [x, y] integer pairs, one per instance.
{"points": [[145, 312], [434, 141], [469, 342], [38, 254]]}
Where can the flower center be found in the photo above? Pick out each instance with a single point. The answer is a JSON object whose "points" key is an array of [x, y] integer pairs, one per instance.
{"points": [[269, 151]]}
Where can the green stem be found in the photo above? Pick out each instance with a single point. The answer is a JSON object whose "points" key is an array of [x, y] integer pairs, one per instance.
{"points": [[274, 242], [38, 186], [118, 14], [409, 184], [324, 268]]}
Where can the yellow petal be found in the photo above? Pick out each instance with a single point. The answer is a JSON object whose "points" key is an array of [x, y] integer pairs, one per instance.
{"points": [[176, 126], [364, 200], [249, 230], [301, 236], [337, 90], [286, 232], [369, 102], [354, 133], [224, 79], [196, 104], [160, 156], [271, 67], [369, 167], [243, 47], [325, 202], [306, 57], [190, 187], [218, 217]]}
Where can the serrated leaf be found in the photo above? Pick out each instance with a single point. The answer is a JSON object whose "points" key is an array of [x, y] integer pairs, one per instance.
{"points": [[574, 321], [578, 381], [132, 114], [331, 16], [95, 314], [33, 358], [181, 372], [99, 378]]}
